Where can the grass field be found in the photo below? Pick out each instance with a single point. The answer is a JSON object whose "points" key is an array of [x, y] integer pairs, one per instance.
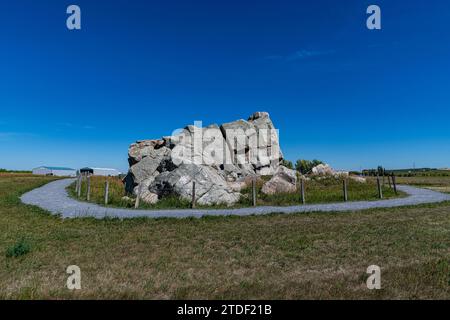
{"points": [[317, 191], [303, 256], [437, 183]]}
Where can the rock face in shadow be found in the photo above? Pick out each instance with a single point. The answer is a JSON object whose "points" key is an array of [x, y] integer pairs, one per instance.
{"points": [[217, 158], [210, 187]]}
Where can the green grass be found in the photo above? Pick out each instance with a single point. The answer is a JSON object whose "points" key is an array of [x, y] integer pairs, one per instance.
{"points": [[14, 171], [117, 193], [323, 191], [421, 172], [436, 183], [297, 256], [20, 248], [317, 191]]}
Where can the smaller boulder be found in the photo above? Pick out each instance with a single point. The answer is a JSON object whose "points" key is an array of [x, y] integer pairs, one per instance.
{"points": [[284, 181], [237, 186], [149, 197], [324, 170], [358, 179]]}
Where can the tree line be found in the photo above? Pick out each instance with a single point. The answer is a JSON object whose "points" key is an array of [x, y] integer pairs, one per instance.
{"points": [[303, 166]]}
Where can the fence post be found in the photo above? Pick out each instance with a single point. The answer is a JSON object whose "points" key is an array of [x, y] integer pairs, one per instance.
{"points": [[80, 183], [138, 196], [345, 190], [88, 192], [193, 195], [106, 192], [389, 180], [254, 191], [77, 184], [394, 183], [302, 191], [380, 191]]}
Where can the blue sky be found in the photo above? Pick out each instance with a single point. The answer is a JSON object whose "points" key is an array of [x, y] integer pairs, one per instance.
{"points": [[139, 69]]}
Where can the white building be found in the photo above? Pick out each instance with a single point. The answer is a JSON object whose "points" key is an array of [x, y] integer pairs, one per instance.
{"points": [[108, 172], [55, 171]]}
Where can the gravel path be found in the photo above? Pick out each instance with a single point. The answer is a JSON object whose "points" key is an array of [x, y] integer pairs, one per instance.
{"points": [[54, 198]]}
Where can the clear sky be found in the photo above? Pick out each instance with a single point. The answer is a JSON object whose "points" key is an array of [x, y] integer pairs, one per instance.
{"points": [[139, 69]]}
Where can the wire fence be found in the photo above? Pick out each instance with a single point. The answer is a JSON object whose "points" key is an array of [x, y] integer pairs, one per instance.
{"points": [[111, 191]]}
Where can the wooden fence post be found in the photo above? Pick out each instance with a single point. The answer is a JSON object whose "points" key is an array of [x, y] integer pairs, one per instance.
{"points": [[77, 184], [380, 191], [138, 196], [389, 181], [88, 192], [193, 195], [80, 183], [254, 191], [302, 191], [345, 190], [106, 192], [394, 183]]}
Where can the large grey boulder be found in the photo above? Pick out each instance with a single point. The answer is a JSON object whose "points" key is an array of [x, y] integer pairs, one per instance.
{"points": [[141, 149], [205, 146], [146, 169], [217, 158], [210, 187], [254, 144]]}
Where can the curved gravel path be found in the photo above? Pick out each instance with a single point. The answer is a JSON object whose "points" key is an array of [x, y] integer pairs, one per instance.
{"points": [[54, 198]]}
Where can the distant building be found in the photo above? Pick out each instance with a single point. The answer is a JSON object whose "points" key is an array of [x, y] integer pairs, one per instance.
{"points": [[55, 171], [108, 172], [86, 171]]}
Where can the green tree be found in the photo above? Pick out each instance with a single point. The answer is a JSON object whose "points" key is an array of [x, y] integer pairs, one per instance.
{"points": [[301, 166], [315, 163], [305, 166], [380, 170], [288, 164]]}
